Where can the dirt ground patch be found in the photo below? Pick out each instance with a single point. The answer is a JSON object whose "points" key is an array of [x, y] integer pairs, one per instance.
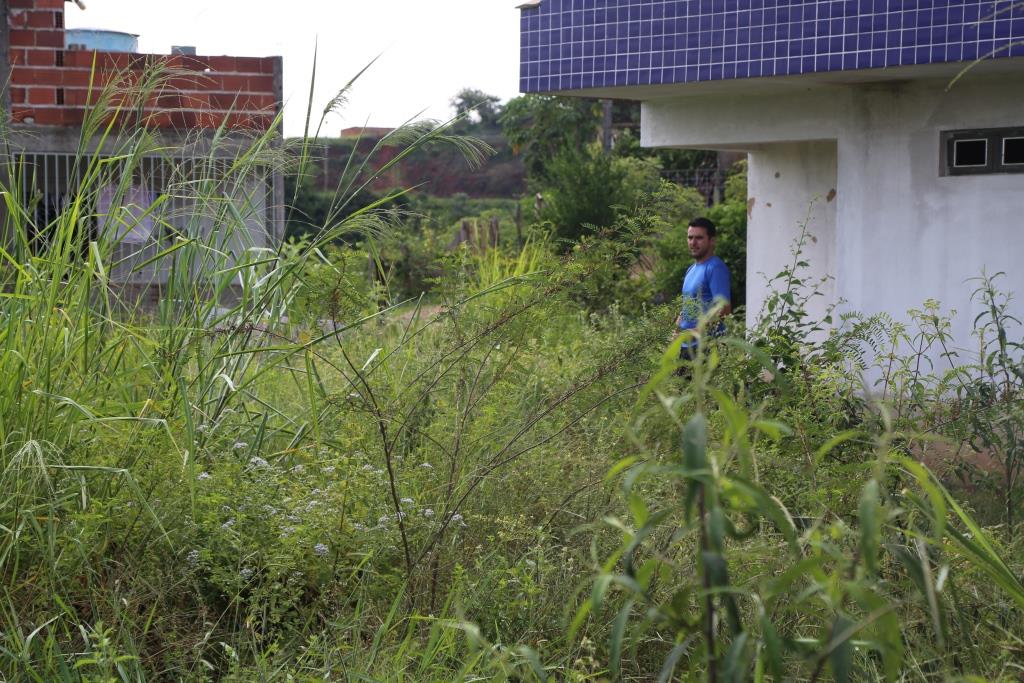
{"points": [[944, 459]]}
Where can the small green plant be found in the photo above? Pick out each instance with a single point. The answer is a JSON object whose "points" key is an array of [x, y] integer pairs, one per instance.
{"points": [[101, 663], [991, 410], [715, 579]]}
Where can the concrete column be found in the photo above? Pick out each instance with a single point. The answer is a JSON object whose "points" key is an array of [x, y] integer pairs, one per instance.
{"points": [[791, 185]]}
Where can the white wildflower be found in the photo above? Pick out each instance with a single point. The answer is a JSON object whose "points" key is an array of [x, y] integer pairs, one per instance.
{"points": [[426, 466], [329, 469], [228, 524], [240, 445], [298, 469], [367, 467], [245, 573], [320, 549], [193, 557], [383, 520], [258, 462], [427, 512], [358, 527], [406, 501], [203, 476]]}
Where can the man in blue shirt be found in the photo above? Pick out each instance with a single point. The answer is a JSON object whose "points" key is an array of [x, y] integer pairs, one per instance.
{"points": [[706, 282]]}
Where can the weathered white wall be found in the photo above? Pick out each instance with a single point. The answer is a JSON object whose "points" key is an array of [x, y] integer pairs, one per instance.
{"points": [[791, 185], [901, 232]]}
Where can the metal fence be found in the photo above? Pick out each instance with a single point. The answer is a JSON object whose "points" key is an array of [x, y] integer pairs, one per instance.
{"points": [[166, 198], [710, 182]]}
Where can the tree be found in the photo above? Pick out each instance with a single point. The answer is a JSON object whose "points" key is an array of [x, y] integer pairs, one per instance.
{"points": [[583, 190], [480, 109], [541, 127]]}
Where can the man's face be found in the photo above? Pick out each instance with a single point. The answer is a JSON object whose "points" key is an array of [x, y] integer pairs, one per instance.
{"points": [[700, 244]]}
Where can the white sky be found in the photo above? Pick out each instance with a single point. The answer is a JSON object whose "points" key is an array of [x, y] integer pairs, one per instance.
{"points": [[429, 49]]}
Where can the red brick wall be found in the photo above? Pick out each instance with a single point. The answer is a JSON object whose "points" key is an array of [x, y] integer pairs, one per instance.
{"points": [[50, 86]]}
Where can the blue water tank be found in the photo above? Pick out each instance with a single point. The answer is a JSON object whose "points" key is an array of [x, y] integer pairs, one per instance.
{"points": [[100, 39]]}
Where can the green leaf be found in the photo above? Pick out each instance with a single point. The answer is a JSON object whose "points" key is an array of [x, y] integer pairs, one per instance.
{"points": [[716, 568], [581, 616], [617, 636], [770, 507], [870, 526], [884, 621], [840, 438], [695, 439], [774, 429], [646, 571], [601, 584], [976, 547], [734, 665], [772, 647], [840, 657], [937, 501], [911, 564], [638, 509], [621, 465], [716, 528], [531, 657], [674, 655]]}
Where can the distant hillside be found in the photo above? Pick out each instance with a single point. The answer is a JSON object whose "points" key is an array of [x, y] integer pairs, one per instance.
{"points": [[440, 171]]}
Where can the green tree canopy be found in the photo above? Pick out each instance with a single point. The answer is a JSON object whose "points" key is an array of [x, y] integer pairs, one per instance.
{"points": [[541, 127], [480, 108]]}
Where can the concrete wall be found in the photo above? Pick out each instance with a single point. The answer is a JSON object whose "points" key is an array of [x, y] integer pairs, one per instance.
{"points": [[901, 231], [791, 187]]}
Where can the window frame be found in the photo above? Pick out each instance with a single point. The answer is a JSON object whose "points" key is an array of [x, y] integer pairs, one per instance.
{"points": [[1002, 152], [995, 150]]}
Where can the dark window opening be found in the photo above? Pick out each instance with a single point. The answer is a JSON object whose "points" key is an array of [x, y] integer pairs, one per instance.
{"points": [[970, 153], [60, 97], [1013, 151]]}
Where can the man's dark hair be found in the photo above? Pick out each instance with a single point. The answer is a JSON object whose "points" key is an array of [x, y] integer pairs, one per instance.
{"points": [[701, 222]]}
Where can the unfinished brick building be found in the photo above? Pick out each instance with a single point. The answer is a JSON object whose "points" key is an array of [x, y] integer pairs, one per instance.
{"points": [[49, 84]]}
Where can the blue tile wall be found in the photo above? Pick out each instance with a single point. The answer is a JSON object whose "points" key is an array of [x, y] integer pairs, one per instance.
{"points": [[576, 44]]}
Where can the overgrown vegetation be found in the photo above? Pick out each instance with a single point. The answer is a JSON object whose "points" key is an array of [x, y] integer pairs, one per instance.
{"points": [[293, 469]]}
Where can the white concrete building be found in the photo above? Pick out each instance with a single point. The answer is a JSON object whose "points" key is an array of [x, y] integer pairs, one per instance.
{"points": [[910, 183]]}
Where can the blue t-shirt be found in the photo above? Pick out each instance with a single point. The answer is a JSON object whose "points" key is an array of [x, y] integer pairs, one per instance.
{"points": [[704, 284]]}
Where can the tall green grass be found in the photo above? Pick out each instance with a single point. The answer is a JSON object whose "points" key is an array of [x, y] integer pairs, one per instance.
{"points": [[275, 471], [103, 394], [206, 487]]}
